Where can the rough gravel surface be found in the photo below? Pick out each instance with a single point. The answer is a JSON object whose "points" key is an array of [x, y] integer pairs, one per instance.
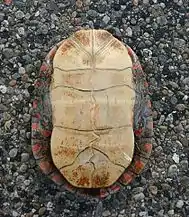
{"points": [[158, 31]]}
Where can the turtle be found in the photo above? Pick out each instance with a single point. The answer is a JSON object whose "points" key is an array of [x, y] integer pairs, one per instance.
{"points": [[92, 123]]}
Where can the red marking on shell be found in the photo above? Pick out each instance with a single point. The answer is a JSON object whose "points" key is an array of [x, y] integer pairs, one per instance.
{"points": [[35, 104], [115, 188], [138, 132], [130, 52], [137, 66], [127, 177], [35, 126], [37, 115], [51, 54], [46, 133], [57, 178], [43, 67], [103, 193], [149, 104], [37, 83], [148, 147], [7, 2], [36, 147], [146, 84], [46, 166]]}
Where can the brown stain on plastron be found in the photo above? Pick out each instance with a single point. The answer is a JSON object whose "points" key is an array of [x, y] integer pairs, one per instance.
{"points": [[67, 45], [83, 37], [64, 152], [117, 45], [83, 181], [103, 35], [101, 180]]}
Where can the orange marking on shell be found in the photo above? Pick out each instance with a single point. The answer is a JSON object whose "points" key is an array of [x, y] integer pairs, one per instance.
{"points": [[148, 147], [138, 165]]}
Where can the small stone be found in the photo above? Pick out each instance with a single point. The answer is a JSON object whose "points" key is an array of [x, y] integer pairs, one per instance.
{"points": [[138, 197], [153, 189], [14, 213], [184, 165], [143, 214], [25, 157], [21, 70], [180, 107], [184, 180], [3, 89], [175, 158], [26, 117], [179, 204], [79, 3], [171, 212], [12, 83], [21, 31], [42, 211], [161, 120], [13, 152], [92, 13], [8, 53], [23, 168], [19, 14], [106, 213], [106, 19], [174, 100], [172, 171], [129, 32], [186, 81]]}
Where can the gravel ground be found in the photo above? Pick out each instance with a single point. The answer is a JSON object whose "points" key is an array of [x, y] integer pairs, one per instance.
{"points": [[158, 30]]}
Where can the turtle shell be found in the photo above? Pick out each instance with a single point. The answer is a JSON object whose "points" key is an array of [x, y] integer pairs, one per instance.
{"points": [[92, 121]]}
